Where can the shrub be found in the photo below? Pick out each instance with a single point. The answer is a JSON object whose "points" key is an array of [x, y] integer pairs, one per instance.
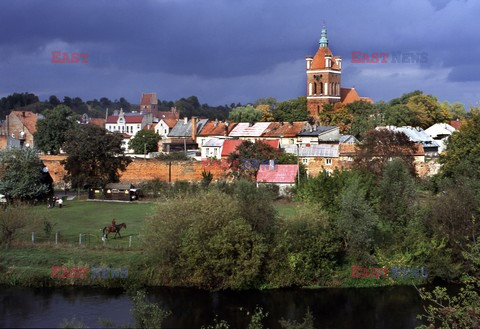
{"points": [[204, 241]]}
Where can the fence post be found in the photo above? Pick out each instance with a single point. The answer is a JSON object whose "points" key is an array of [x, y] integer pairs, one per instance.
{"points": [[80, 239], [130, 242], [56, 237], [33, 237]]}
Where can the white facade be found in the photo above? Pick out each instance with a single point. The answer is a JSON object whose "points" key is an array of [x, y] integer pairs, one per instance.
{"points": [[162, 128], [127, 123]]}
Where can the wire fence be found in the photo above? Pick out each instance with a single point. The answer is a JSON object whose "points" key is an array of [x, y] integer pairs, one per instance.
{"points": [[88, 240]]}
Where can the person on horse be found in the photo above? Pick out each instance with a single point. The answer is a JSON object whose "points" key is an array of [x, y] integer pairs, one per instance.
{"points": [[114, 225]]}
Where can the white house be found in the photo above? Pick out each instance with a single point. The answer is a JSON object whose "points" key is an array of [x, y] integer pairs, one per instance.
{"points": [[212, 148], [127, 123], [440, 132]]}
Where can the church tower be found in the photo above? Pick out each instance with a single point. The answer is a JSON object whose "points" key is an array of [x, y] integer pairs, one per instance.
{"points": [[323, 77]]}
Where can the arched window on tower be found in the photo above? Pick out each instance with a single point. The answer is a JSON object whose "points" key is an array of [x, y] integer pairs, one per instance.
{"points": [[310, 88], [314, 88], [320, 91]]}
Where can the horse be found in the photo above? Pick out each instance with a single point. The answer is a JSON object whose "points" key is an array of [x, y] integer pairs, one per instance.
{"points": [[110, 229]]}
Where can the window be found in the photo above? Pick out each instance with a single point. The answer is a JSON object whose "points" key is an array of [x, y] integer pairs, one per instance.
{"points": [[350, 159], [215, 152], [305, 161], [328, 162]]}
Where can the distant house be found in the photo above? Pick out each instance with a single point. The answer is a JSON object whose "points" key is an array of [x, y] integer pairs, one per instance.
{"points": [[317, 158], [149, 103], [183, 135], [249, 131], [166, 122], [418, 136], [456, 124], [440, 132], [214, 129], [127, 123], [230, 146], [348, 139], [282, 175], [212, 148], [20, 126], [285, 132], [319, 135]]}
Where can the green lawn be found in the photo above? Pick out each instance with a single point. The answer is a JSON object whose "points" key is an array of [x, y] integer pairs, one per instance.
{"points": [[89, 218]]}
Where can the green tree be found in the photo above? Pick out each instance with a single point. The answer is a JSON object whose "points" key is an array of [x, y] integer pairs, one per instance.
{"points": [[51, 131], [245, 114], [22, 175], [427, 110], [462, 157], [203, 240], [144, 141], [397, 196], [364, 118], [356, 222], [292, 110], [95, 157], [267, 114]]}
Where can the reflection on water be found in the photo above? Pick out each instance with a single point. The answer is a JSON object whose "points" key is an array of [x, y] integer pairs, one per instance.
{"points": [[391, 307]]}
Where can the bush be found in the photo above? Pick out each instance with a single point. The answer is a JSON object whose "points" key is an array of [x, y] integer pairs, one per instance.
{"points": [[304, 250], [204, 241]]}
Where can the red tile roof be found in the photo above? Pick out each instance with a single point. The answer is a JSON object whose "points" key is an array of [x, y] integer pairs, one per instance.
{"points": [[348, 95], [347, 149], [149, 99], [218, 129], [284, 129], [283, 173], [170, 122], [97, 122], [456, 124], [275, 143], [318, 62], [28, 119], [128, 118], [230, 145]]}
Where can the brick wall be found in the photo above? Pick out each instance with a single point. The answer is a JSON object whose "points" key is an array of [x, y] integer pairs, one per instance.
{"points": [[142, 170]]}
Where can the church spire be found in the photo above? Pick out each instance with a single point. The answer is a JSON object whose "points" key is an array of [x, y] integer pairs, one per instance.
{"points": [[323, 39]]}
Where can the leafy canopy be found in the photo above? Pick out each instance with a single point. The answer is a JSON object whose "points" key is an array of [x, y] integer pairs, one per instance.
{"points": [[51, 131], [95, 157], [22, 176], [144, 141]]}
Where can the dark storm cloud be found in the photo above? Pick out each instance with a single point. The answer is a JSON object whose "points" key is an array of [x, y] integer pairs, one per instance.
{"points": [[232, 50]]}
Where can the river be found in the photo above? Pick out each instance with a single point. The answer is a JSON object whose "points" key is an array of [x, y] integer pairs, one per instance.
{"points": [[389, 307]]}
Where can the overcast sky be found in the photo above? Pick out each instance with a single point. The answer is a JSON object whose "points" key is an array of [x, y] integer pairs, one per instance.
{"points": [[226, 51]]}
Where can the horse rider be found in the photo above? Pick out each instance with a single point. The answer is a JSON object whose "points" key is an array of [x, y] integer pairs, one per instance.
{"points": [[114, 227]]}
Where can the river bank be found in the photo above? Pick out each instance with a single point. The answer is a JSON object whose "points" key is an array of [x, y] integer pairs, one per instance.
{"points": [[31, 266]]}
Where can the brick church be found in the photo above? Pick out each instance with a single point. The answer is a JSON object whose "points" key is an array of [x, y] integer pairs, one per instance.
{"points": [[324, 80]]}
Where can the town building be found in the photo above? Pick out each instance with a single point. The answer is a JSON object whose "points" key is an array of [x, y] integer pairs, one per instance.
{"points": [[149, 103], [281, 175], [183, 135], [324, 72], [128, 123], [440, 132], [215, 129], [18, 128]]}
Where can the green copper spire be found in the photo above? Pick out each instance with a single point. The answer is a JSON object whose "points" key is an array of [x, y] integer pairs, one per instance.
{"points": [[323, 39]]}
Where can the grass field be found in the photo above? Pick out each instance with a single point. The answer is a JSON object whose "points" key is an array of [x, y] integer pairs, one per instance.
{"points": [[30, 264], [89, 218]]}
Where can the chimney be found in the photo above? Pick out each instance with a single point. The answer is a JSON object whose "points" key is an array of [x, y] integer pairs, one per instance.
{"points": [[23, 114], [215, 123], [225, 132], [194, 128], [185, 120]]}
